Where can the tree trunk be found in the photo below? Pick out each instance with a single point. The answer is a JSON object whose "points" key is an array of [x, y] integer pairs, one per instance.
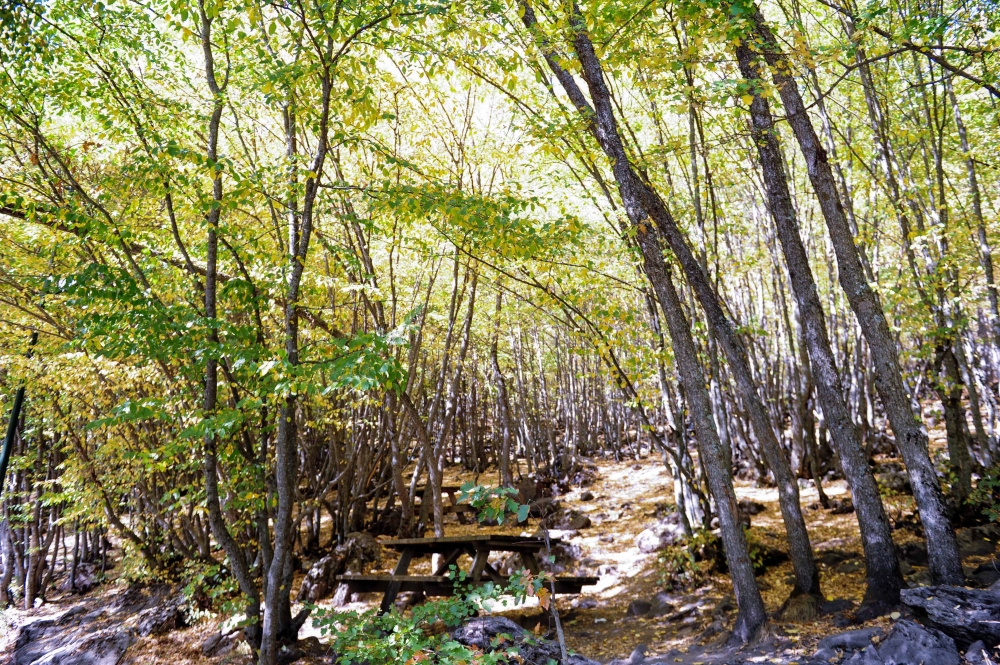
{"points": [[752, 618], [883, 575], [503, 404], [911, 437]]}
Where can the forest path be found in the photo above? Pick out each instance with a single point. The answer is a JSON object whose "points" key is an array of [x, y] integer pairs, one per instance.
{"points": [[620, 502]]}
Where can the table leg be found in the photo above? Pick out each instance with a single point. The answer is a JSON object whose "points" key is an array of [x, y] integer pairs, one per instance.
{"points": [[393, 589], [479, 563], [448, 560]]}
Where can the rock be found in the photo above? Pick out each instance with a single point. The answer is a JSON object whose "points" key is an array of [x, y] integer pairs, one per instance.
{"points": [[978, 540], [638, 608], [584, 604], [219, 645], [920, 578], [56, 647], [870, 656], [408, 599], [161, 619], [986, 574], [751, 507], [566, 555], [483, 633], [894, 481], [851, 566], [852, 640], [341, 596], [85, 580], [661, 605], [648, 541], [910, 643], [826, 655], [832, 556], [725, 605], [638, 655], [841, 506], [543, 507], [587, 496], [360, 552], [567, 518], [834, 606], [914, 553], [321, 580], [965, 615], [660, 535], [976, 653]]}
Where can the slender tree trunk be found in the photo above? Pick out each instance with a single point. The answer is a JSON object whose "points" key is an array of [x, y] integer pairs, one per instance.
{"points": [[752, 618], [503, 404], [234, 553], [636, 193], [911, 437], [882, 566]]}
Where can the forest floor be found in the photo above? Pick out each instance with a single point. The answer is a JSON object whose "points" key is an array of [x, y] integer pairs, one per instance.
{"points": [[596, 622]]}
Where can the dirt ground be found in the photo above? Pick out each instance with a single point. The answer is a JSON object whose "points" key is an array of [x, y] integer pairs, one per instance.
{"points": [[596, 624]]}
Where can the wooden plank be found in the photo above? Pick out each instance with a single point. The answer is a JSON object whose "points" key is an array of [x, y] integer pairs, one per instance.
{"points": [[441, 585], [498, 542]]}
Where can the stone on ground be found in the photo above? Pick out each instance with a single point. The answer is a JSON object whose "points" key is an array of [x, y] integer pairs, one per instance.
{"points": [[965, 615], [910, 643]]}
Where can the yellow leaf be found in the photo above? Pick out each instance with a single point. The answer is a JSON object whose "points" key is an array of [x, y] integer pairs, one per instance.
{"points": [[747, 99]]}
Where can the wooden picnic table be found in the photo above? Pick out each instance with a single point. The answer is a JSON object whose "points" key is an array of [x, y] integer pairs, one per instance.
{"points": [[479, 547]]}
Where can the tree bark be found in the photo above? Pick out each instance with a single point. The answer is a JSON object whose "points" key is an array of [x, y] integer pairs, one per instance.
{"points": [[752, 618], [882, 567], [911, 437], [648, 202]]}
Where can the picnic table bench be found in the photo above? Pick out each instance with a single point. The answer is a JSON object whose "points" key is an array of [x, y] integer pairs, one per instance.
{"points": [[479, 547]]}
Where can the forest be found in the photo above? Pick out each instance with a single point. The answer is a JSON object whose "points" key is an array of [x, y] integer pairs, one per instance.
{"points": [[276, 274]]}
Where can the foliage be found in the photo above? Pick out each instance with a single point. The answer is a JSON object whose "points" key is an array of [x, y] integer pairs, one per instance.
{"points": [[986, 495], [688, 562], [421, 634], [495, 504]]}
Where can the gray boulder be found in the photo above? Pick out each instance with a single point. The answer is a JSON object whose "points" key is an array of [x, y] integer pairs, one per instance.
{"points": [[359, 553], [910, 643], [825, 655], [976, 653], [484, 633], [870, 656], [978, 540], [852, 640], [965, 615], [661, 535], [895, 481], [321, 580], [59, 647], [638, 608], [161, 619]]}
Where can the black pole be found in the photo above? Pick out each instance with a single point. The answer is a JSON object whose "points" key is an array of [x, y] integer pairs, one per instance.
{"points": [[15, 414]]}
